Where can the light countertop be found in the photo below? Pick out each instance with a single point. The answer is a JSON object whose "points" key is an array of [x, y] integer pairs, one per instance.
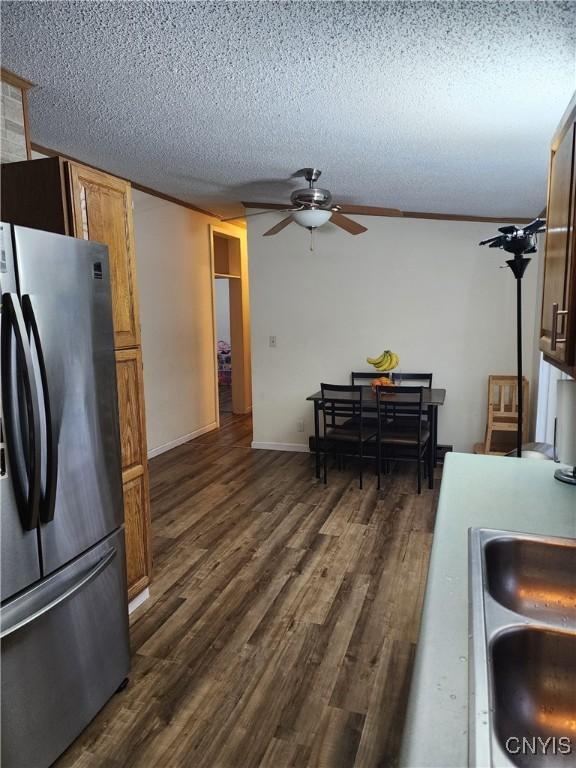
{"points": [[477, 491]]}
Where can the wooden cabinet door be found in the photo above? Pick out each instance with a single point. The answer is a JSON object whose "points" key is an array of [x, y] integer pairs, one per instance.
{"points": [[558, 319], [134, 468], [131, 407], [102, 211], [137, 534]]}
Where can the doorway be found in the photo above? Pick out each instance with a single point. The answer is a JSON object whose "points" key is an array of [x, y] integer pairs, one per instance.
{"points": [[231, 324], [223, 344]]}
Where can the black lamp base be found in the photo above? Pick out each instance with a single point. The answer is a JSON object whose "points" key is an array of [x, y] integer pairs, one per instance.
{"points": [[566, 476]]}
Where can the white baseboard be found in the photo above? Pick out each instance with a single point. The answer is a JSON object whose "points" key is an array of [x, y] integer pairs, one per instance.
{"points": [[294, 447], [138, 600], [181, 440]]}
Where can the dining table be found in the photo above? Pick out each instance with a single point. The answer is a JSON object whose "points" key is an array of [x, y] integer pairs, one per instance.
{"points": [[432, 399]]}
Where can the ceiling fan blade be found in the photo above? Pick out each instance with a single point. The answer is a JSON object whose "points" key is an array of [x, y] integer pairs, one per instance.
{"points": [[508, 230], [492, 240], [278, 227], [258, 213], [538, 225], [347, 224]]}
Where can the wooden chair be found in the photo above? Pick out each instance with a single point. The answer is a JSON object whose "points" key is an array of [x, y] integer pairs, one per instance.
{"points": [[502, 417], [345, 425], [408, 440]]}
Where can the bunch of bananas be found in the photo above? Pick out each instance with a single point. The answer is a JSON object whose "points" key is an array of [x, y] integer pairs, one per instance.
{"points": [[386, 362]]}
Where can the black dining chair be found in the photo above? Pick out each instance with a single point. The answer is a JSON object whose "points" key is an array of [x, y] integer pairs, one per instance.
{"points": [[345, 425], [423, 380], [397, 440], [363, 378]]}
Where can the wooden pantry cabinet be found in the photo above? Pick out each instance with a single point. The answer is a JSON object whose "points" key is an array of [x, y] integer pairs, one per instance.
{"points": [[58, 195], [558, 321]]}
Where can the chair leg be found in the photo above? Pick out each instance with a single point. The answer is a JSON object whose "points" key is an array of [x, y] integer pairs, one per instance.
{"points": [[419, 474], [361, 463], [325, 465], [379, 464], [430, 465]]}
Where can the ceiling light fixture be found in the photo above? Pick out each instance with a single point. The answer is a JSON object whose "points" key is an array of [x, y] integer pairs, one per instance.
{"points": [[312, 217]]}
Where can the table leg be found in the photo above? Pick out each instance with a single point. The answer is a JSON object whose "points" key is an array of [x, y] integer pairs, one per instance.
{"points": [[317, 436]]}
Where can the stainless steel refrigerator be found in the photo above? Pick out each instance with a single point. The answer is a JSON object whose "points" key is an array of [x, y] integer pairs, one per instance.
{"points": [[64, 616]]}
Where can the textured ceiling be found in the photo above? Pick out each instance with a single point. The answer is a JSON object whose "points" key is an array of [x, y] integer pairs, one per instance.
{"points": [[430, 106]]}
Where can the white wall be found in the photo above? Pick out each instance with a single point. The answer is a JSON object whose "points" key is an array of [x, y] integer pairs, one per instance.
{"points": [[176, 315], [222, 297], [422, 288]]}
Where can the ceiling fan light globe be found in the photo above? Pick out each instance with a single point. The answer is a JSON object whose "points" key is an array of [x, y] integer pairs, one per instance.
{"points": [[312, 218]]}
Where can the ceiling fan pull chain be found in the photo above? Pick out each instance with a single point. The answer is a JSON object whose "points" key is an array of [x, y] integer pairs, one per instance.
{"points": [[312, 239]]}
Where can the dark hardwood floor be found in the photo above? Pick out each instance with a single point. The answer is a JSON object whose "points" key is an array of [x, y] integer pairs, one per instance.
{"points": [[283, 615], [225, 398]]}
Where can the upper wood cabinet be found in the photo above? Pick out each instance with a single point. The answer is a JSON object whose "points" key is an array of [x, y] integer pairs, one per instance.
{"points": [[558, 322], [102, 212], [58, 195]]}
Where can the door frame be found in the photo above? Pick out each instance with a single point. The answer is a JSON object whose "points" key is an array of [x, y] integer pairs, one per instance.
{"points": [[239, 324]]}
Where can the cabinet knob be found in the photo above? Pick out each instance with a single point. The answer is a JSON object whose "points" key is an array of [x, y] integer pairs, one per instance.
{"points": [[554, 340]]}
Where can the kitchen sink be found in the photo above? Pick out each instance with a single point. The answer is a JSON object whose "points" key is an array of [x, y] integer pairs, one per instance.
{"points": [[533, 578], [522, 669], [534, 673]]}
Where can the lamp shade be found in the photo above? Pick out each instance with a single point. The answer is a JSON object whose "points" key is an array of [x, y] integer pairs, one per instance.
{"points": [[312, 217]]}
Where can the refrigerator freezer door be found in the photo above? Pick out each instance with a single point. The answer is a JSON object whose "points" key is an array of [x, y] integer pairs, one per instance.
{"points": [[19, 559], [64, 653], [64, 283]]}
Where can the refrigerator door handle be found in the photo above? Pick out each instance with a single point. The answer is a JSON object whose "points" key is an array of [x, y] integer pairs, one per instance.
{"points": [[19, 622], [27, 498], [48, 498]]}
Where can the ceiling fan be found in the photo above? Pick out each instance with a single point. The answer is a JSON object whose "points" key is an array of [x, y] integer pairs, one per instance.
{"points": [[311, 208], [517, 240]]}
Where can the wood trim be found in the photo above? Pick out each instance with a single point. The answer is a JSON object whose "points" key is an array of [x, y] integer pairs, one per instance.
{"points": [[369, 210], [466, 217], [26, 117], [138, 586], [358, 210], [18, 82], [566, 121], [132, 473], [176, 200], [211, 231], [239, 325], [134, 184]]}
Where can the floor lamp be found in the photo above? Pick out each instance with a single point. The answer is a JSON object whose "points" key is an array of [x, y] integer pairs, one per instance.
{"points": [[518, 242]]}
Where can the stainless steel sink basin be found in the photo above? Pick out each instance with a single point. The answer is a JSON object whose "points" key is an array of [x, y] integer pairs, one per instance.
{"points": [[534, 682], [533, 578], [522, 668]]}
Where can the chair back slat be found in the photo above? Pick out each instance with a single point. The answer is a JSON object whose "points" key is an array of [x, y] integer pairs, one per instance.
{"points": [[341, 401], [422, 379], [388, 399], [503, 412], [363, 376]]}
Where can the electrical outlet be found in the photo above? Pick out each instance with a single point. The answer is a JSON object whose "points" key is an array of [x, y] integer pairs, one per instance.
{"points": [[300, 425], [272, 342]]}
